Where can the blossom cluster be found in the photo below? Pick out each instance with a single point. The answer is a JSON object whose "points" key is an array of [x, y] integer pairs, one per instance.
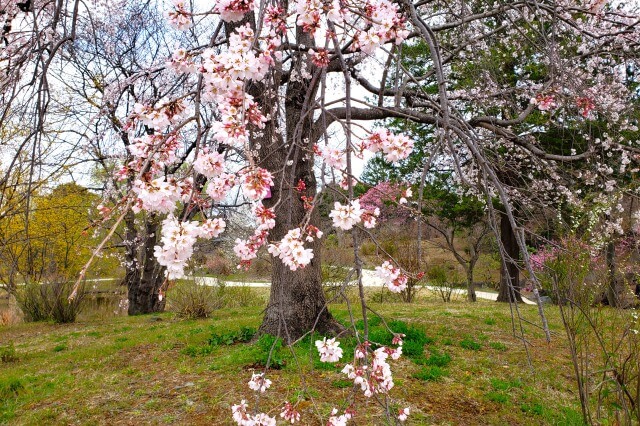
{"points": [[394, 147], [243, 418], [375, 378], [393, 277], [372, 376], [178, 238], [329, 350], [334, 157], [160, 195], [179, 17], [340, 420], [259, 383], [386, 25], [291, 248], [346, 216]]}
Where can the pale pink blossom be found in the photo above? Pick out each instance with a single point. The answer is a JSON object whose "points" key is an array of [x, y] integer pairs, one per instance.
{"points": [[259, 383], [256, 182], [209, 164], [346, 216], [329, 350], [403, 413], [289, 413]]}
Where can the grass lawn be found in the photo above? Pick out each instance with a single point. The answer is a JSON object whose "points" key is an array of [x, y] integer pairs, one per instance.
{"points": [[465, 367]]}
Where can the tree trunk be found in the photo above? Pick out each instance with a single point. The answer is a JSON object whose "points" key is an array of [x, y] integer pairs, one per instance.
{"points": [[509, 277], [297, 302], [612, 287], [471, 291], [144, 278]]}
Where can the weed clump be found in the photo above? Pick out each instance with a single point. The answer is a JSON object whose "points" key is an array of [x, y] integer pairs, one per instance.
{"points": [[8, 353], [470, 344]]}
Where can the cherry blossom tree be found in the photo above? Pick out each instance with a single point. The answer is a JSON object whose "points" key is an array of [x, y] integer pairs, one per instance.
{"points": [[269, 82]]}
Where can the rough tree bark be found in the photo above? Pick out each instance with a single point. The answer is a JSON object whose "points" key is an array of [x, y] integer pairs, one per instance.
{"points": [[471, 290], [509, 277], [297, 298], [144, 277]]}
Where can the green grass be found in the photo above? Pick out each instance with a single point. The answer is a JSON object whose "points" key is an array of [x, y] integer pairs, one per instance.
{"points": [[431, 373], [498, 346], [470, 344], [135, 370]]}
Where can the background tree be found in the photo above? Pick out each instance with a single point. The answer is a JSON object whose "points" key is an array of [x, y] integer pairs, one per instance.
{"points": [[54, 241]]}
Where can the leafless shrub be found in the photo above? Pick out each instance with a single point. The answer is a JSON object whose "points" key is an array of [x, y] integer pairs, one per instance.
{"points": [[443, 281], [190, 300], [603, 341], [49, 301], [407, 258]]}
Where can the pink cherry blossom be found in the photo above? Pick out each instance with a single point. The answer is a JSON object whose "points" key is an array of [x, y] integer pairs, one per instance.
{"points": [[179, 17], [392, 276], [346, 216], [289, 413], [209, 164], [329, 350], [403, 414], [291, 250], [394, 147], [259, 383], [255, 183], [233, 10]]}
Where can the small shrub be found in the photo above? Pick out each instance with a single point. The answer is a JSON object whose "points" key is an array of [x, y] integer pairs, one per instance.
{"points": [[368, 248], [245, 334], [490, 321], [413, 343], [505, 385], [8, 353], [195, 350], [469, 343], [237, 296], [413, 349], [389, 246], [431, 374], [331, 241], [384, 296], [334, 275], [342, 384], [533, 408], [11, 315], [270, 351], [407, 258], [380, 336], [373, 322], [440, 278], [50, 301], [242, 335], [190, 300], [411, 332]]}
